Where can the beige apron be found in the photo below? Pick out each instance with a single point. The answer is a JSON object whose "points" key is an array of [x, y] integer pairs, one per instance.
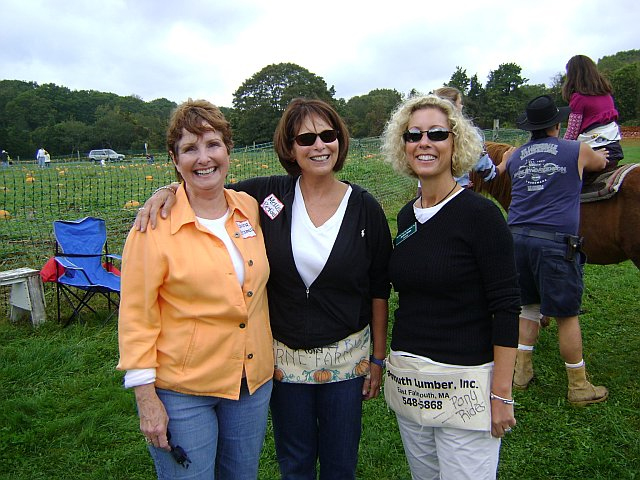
{"points": [[437, 395]]}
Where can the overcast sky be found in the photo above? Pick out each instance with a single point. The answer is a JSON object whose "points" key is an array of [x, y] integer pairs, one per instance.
{"points": [[208, 48]]}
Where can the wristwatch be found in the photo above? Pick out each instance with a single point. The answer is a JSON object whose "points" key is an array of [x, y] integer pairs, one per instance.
{"points": [[381, 363]]}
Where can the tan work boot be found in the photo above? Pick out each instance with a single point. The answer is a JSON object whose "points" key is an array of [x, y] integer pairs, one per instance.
{"points": [[523, 373], [581, 392]]}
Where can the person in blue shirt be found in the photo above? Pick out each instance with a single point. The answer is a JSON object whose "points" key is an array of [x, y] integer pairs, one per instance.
{"points": [[544, 215]]}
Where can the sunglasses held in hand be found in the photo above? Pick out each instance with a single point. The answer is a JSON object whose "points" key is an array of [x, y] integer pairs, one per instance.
{"points": [[434, 134], [178, 453], [308, 139]]}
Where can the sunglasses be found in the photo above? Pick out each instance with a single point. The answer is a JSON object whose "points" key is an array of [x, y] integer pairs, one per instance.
{"points": [[178, 453], [308, 139], [434, 134]]}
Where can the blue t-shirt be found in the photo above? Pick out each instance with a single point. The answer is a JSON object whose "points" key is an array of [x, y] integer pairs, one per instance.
{"points": [[545, 186]]}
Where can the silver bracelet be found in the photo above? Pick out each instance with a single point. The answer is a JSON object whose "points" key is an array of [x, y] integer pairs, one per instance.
{"points": [[164, 187], [508, 401]]}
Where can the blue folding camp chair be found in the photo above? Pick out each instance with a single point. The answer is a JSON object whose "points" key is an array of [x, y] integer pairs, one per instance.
{"points": [[81, 246]]}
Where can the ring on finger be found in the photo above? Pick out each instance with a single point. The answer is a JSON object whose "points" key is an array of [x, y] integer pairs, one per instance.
{"points": [[507, 430], [141, 209]]}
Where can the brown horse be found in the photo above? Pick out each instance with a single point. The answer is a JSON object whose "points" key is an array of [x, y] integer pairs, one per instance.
{"points": [[611, 228]]}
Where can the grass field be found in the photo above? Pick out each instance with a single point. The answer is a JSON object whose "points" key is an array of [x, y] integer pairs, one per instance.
{"points": [[65, 415]]}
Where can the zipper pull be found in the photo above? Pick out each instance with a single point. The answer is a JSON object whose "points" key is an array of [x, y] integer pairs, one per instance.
{"points": [[307, 293]]}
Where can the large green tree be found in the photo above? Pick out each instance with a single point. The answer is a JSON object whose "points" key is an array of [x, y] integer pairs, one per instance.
{"points": [[260, 101], [503, 99], [626, 89], [366, 115], [460, 80]]}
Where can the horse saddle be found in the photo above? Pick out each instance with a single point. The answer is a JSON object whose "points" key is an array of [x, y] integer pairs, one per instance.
{"points": [[605, 185]]}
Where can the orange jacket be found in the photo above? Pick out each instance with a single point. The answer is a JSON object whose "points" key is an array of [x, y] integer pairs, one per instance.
{"points": [[183, 311]]}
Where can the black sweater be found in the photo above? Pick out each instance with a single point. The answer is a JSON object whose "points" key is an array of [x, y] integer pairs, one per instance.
{"points": [[338, 303], [457, 283]]}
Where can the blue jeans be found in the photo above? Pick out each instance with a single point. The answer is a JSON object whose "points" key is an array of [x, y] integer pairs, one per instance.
{"points": [[219, 435], [317, 422]]}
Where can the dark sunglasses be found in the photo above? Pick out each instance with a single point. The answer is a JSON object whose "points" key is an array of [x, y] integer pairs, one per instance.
{"points": [[308, 139], [434, 134], [178, 453]]}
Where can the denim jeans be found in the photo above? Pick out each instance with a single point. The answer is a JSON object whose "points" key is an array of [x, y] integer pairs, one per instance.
{"points": [[317, 422], [219, 435]]}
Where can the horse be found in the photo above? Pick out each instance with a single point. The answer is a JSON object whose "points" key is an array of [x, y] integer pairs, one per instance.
{"points": [[611, 228]]}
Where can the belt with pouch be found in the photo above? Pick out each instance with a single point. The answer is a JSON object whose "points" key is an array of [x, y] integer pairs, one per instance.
{"points": [[573, 242], [553, 236]]}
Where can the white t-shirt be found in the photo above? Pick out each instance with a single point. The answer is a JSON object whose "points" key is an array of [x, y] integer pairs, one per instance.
{"points": [[312, 245], [216, 227]]}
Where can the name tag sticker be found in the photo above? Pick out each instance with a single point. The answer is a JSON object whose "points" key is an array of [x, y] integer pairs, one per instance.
{"points": [[406, 234], [272, 206], [246, 230]]}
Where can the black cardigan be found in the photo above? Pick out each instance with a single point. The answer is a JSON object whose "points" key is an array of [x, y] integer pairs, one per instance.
{"points": [[338, 303], [457, 284]]}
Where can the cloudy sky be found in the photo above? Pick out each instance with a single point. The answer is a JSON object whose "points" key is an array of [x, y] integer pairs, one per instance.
{"points": [[208, 48]]}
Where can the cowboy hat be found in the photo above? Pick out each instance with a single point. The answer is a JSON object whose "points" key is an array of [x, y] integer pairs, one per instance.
{"points": [[541, 113]]}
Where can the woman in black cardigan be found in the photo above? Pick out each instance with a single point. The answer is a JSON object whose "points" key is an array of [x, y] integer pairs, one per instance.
{"points": [[456, 327]]}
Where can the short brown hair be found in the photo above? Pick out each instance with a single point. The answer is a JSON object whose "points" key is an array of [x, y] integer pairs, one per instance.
{"points": [[190, 116], [294, 115]]}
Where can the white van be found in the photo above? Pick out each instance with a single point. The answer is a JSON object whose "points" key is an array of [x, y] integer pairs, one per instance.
{"points": [[105, 154]]}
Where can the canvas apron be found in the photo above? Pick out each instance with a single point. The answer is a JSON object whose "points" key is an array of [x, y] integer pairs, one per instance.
{"points": [[437, 395], [601, 136]]}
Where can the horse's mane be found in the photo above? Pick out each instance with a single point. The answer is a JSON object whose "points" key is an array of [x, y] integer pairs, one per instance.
{"points": [[500, 187]]}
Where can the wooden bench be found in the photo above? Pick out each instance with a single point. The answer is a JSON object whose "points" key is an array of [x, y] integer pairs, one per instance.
{"points": [[27, 294]]}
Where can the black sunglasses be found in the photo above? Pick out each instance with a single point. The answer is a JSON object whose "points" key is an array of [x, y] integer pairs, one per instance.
{"points": [[434, 134], [178, 453], [308, 139]]}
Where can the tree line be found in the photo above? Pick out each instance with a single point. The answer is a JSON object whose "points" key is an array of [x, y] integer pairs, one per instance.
{"points": [[70, 122]]}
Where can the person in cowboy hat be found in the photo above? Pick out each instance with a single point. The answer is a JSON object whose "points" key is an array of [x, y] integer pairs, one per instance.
{"points": [[544, 214]]}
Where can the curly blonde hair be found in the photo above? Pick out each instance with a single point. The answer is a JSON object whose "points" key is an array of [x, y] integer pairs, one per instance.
{"points": [[467, 145]]}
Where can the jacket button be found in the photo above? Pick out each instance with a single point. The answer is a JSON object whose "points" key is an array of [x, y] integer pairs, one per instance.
{"points": [[242, 325], [249, 293], [250, 263], [250, 356]]}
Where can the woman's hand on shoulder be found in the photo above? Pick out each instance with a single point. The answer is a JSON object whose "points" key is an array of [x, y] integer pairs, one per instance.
{"points": [[160, 202]]}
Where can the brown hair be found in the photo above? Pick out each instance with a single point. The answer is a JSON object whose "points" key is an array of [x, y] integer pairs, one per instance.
{"points": [[292, 119], [584, 77], [449, 93], [197, 117]]}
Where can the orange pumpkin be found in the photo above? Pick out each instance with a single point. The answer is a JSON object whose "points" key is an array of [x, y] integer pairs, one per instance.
{"points": [[5, 215], [362, 368], [322, 376], [132, 204]]}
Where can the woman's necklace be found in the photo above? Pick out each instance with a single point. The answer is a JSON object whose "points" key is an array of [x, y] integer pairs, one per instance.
{"points": [[455, 184]]}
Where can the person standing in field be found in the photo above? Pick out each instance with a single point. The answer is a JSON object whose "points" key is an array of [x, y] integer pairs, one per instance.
{"points": [[544, 215], [193, 329], [41, 157], [458, 300]]}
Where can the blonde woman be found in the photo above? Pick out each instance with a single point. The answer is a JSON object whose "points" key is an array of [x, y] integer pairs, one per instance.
{"points": [[455, 334]]}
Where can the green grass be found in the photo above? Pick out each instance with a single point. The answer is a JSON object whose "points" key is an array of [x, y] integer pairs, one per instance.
{"points": [[64, 414]]}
